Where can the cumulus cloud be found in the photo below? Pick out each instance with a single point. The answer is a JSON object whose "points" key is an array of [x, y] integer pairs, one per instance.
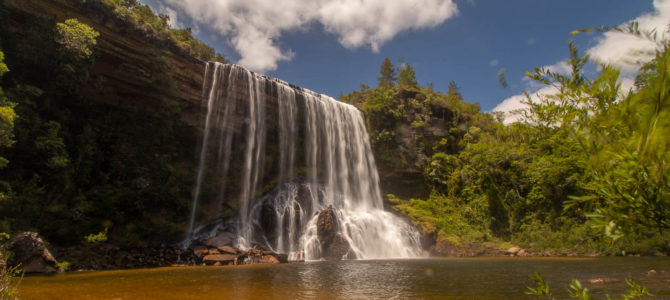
{"points": [[613, 48], [374, 22], [624, 50], [561, 67], [512, 106], [254, 27]]}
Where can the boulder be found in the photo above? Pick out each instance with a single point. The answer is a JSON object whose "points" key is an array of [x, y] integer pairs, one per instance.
{"points": [[333, 245], [31, 252], [222, 259], [269, 259], [327, 225], [222, 238], [513, 251], [227, 250], [198, 251], [281, 257]]}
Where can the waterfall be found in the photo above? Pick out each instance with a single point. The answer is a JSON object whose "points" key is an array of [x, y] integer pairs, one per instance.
{"points": [[280, 155]]}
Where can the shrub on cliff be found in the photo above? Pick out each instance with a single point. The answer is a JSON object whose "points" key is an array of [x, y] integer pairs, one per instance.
{"points": [[77, 37], [143, 18]]}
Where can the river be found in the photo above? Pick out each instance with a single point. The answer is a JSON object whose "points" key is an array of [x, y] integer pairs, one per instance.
{"points": [[439, 278]]}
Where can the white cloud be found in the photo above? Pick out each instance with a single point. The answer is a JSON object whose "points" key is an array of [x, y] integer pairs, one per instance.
{"points": [[254, 27], [561, 67], [613, 48], [493, 63], [173, 21], [374, 22], [624, 50], [511, 106]]}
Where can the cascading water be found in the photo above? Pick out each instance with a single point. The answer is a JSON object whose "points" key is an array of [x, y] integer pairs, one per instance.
{"points": [[324, 162]]}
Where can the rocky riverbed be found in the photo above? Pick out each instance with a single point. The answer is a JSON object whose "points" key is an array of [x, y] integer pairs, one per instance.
{"points": [[38, 257]]}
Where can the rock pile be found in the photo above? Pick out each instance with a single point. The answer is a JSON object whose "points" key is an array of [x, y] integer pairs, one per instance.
{"points": [[110, 256], [227, 255]]}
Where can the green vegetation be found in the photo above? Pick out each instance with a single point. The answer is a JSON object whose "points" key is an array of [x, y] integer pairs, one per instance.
{"points": [[97, 238], [63, 266], [577, 291], [77, 37], [586, 172], [142, 18], [7, 116], [10, 277], [78, 164], [542, 288]]}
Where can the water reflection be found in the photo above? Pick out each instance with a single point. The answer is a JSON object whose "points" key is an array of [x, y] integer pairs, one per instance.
{"points": [[481, 278]]}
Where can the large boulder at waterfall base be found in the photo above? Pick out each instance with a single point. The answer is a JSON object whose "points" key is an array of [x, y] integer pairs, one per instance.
{"points": [[333, 245], [31, 252], [223, 238]]}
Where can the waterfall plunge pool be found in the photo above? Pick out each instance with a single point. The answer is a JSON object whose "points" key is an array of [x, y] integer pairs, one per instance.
{"points": [[434, 278]]}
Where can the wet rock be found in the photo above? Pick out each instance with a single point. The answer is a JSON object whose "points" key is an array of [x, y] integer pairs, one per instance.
{"points": [[269, 220], [198, 251], [227, 250], [281, 257], [31, 252], [223, 238], [269, 259], [212, 259], [304, 197], [261, 247], [326, 225], [333, 245]]}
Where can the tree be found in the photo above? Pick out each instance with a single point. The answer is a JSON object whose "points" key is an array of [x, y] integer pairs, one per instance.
{"points": [[387, 72], [77, 37], [407, 77], [452, 91], [220, 58], [7, 115]]}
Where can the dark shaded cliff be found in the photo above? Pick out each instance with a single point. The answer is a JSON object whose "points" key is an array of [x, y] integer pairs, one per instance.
{"points": [[129, 63], [103, 142]]}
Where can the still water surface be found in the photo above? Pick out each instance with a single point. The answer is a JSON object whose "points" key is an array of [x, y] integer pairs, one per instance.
{"points": [[470, 278]]}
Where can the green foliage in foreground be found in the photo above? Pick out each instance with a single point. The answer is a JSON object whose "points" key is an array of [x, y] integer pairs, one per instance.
{"points": [[586, 171], [577, 291], [10, 277]]}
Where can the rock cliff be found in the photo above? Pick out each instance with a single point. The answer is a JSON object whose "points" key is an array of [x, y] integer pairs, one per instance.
{"points": [[128, 62]]}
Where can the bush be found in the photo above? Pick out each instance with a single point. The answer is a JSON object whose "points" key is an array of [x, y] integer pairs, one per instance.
{"points": [[10, 277]]}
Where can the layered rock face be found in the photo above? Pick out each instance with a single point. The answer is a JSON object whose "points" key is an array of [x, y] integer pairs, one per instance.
{"points": [[126, 61]]}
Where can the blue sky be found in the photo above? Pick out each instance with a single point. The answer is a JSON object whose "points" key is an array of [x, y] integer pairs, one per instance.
{"points": [[465, 41]]}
